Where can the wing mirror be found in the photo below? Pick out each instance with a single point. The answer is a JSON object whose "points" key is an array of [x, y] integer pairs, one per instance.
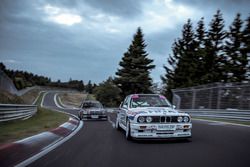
{"points": [[121, 105]]}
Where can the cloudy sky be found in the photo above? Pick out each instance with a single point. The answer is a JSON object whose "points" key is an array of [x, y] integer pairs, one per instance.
{"points": [[86, 39]]}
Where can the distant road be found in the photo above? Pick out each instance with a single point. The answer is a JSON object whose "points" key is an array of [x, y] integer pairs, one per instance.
{"points": [[98, 144]]}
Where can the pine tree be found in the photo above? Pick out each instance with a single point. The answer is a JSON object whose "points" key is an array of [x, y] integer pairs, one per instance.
{"points": [[134, 74], [215, 57], [200, 38], [186, 66], [89, 87], [168, 79], [236, 61], [184, 62], [246, 47]]}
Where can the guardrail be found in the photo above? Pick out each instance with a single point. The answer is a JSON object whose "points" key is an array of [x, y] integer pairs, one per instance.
{"points": [[229, 114], [238, 115], [10, 112]]}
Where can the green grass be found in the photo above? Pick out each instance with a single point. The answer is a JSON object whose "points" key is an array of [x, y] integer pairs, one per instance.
{"points": [[90, 97], [224, 120], [43, 120]]}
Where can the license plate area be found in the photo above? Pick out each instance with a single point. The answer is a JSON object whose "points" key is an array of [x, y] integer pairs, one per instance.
{"points": [[166, 127], [94, 116]]}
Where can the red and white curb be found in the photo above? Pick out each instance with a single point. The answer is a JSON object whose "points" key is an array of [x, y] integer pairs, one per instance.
{"points": [[26, 151]]}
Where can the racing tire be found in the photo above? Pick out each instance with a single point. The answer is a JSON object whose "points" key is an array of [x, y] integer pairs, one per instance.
{"points": [[79, 116], [128, 132]]}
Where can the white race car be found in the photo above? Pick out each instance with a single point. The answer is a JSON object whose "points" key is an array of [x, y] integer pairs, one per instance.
{"points": [[92, 109], [151, 116]]}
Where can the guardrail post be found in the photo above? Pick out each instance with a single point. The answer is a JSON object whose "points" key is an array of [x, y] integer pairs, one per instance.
{"points": [[219, 98], [193, 99]]}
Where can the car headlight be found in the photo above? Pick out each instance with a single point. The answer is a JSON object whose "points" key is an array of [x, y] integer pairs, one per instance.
{"points": [[85, 112], [179, 119], [186, 119], [141, 119], [149, 119]]}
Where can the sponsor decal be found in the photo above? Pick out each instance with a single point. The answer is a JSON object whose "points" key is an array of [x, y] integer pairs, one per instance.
{"points": [[162, 97], [135, 113], [135, 97]]}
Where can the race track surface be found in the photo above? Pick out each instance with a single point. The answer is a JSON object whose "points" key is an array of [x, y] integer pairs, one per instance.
{"points": [[98, 144]]}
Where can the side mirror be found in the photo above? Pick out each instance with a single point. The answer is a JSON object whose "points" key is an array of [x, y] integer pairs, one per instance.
{"points": [[121, 105], [174, 107]]}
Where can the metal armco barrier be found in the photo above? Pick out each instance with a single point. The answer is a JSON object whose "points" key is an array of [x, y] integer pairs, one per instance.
{"points": [[239, 115], [10, 112]]}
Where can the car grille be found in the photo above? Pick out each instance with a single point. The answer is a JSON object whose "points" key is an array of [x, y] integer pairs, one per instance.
{"points": [[164, 119], [95, 112]]}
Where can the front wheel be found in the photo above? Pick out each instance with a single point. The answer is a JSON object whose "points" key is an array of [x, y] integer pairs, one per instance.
{"points": [[128, 131], [80, 115]]}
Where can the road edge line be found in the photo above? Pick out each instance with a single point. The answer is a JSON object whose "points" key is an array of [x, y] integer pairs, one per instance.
{"points": [[43, 99], [228, 123], [46, 151], [56, 103]]}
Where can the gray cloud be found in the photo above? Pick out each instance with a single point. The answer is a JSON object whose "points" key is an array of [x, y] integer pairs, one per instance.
{"points": [[90, 50], [123, 8]]}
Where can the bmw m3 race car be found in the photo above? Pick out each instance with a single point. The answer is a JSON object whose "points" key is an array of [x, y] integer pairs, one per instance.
{"points": [[152, 116], [92, 110]]}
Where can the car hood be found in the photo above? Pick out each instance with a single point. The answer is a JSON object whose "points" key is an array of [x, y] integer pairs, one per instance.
{"points": [[153, 111]]}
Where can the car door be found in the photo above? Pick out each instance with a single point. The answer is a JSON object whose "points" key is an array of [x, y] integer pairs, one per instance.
{"points": [[123, 111]]}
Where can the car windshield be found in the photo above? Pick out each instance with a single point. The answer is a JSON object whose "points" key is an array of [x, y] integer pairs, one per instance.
{"points": [[91, 105], [148, 101]]}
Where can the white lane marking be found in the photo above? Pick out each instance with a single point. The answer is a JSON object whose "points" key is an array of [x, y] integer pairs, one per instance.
{"points": [[34, 102], [66, 106], [217, 123], [44, 148], [43, 99], [59, 99], [56, 103], [36, 138], [225, 123], [45, 151]]}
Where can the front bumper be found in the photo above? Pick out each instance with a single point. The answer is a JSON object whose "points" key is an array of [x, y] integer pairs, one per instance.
{"points": [[180, 130], [95, 116]]}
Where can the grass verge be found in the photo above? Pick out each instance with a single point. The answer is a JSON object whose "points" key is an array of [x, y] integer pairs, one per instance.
{"points": [[224, 120], [72, 99], [30, 96], [43, 120]]}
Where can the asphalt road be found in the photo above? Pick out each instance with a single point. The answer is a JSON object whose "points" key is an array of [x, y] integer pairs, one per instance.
{"points": [[98, 144]]}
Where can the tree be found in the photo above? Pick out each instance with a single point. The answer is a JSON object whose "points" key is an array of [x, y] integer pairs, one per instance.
{"points": [[185, 71], [2, 66], [81, 86], [236, 60], [246, 47], [89, 87], [215, 58], [168, 79], [183, 63], [134, 74], [200, 39], [108, 93]]}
